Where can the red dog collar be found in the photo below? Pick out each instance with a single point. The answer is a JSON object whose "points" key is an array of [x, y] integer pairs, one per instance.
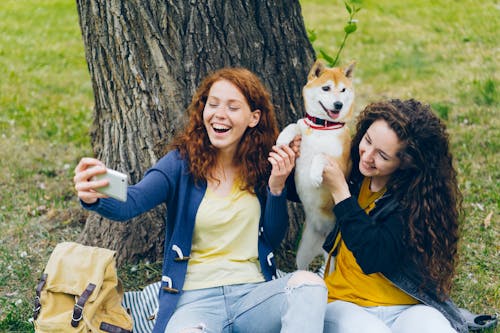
{"points": [[322, 124]]}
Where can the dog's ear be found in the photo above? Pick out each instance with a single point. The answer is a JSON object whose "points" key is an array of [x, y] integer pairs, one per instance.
{"points": [[349, 70], [316, 70]]}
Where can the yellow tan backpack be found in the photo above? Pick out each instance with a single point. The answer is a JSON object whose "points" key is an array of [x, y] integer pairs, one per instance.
{"points": [[79, 291]]}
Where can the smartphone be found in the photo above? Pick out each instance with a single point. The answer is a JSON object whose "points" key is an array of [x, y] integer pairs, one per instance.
{"points": [[117, 187]]}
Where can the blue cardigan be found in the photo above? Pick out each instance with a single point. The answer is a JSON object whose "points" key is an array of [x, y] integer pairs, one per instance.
{"points": [[170, 182]]}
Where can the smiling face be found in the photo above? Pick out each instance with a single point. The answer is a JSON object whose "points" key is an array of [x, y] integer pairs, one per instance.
{"points": [[378, 153], [329, 93], [227, 115]]}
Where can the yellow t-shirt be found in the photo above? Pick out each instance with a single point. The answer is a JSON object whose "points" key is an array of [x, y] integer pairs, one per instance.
{"points": [[224, 249], [348, 282]]}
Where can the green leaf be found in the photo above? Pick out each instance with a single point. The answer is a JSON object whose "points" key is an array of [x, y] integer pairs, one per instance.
{"points": [[311, 35], [350, 28], [348, 7], [329, 59]]}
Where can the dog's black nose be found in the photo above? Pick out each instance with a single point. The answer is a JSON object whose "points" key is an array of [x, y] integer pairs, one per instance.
{"points": [[337, 105]]}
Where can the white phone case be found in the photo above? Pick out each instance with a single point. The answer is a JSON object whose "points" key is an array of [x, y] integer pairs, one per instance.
{"points": [[118, 183]]}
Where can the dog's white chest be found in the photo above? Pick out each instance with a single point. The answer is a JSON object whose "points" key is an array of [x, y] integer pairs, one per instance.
{"points": [[315, 142]]}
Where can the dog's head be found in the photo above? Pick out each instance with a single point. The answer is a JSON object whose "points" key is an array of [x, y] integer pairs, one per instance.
{"points": [[329, 93]]}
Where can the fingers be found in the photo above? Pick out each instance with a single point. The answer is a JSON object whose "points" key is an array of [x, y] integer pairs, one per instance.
{"points": [[282, 159], [87, 168], [87, 162], [330, 160], [90, 185], [295, 144], [85, 185], [331, 167], [334, 180], [90, 197]]}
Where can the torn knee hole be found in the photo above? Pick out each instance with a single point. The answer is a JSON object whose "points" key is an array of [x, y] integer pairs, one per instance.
{"points": [[301, 278]]}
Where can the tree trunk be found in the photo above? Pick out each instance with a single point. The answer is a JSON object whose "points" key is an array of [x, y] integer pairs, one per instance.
{"points": [[146, 58]]}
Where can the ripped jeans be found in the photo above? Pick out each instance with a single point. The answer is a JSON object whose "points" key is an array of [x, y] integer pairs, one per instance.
{"points": [[293, 303], [346, 317]]}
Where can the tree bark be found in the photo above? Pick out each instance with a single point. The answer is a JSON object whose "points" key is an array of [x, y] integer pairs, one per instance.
{"points": [[145, 60]]}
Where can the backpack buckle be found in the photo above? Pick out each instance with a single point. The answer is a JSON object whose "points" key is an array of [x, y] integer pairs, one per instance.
{"points": [[37, 307], [78, 308], [77, 311], [37, 304]]}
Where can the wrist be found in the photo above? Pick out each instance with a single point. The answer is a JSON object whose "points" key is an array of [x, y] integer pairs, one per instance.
{"points": [[275, 190], [341, 195], [276, 186]]}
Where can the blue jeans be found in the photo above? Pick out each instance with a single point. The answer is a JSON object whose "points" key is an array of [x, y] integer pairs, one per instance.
{"points": [[293, 303], [346, 317]]}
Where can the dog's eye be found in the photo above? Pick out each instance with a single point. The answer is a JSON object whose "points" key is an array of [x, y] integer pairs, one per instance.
{"points": [[326, 88], [343, 90]]}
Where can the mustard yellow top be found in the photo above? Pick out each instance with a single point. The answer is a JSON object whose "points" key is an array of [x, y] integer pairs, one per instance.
{"points": [[348, 282], [224, 249]]}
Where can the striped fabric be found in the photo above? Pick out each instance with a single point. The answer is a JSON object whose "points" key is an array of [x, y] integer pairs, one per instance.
{"points": [[144, 304]]}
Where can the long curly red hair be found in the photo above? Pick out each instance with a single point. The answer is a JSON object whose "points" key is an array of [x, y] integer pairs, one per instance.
{"points": [[256, 143], [425, 185]]}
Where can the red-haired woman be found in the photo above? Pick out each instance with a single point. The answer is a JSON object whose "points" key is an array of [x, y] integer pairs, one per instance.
{"points": [[224, 186]]}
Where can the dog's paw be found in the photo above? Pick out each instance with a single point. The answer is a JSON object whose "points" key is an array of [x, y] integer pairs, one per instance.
{"points": [[283, 141], [316, 179], [316, 171], [286, 136]]}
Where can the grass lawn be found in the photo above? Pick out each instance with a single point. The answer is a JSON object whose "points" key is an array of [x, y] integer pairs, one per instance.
{"points": [[442, 52]]}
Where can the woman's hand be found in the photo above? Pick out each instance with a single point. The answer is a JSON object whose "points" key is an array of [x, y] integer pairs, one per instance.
{"points": [[282, 160], [334, 180], [85, 187]]}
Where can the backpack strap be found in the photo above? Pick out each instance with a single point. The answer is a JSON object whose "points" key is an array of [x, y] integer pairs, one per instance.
{"points": [[37, 306], [106, 327], [78, 309]]}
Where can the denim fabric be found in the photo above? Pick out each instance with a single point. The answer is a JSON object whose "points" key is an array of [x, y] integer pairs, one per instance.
{"points": [[265, 307], [347, 317]]}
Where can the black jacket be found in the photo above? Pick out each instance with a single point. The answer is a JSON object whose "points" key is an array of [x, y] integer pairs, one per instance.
{"points": [[376, 241]]}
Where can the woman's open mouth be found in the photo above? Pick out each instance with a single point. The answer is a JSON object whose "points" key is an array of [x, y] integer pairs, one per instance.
{"points": [[220, 128]]}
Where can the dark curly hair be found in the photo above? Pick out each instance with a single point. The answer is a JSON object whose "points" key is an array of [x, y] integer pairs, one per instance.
{"points": [[425, 185], [256, 143]]}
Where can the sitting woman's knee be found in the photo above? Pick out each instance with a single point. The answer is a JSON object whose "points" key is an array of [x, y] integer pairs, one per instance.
{"points": [[305, 278]]}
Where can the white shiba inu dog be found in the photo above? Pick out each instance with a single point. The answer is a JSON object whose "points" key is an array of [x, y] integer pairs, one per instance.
{"points": [[328, 99]]}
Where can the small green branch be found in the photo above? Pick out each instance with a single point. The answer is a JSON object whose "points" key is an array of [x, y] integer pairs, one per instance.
{"points": [[349, 28]]}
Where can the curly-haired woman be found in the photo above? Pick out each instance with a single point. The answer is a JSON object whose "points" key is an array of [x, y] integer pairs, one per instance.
{"points": [[395, 241], [224, 186]]}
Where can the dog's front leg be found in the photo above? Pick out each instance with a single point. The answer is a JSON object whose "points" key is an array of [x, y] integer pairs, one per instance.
{"points": [[316, 172], [287, 134], [308, 246]]}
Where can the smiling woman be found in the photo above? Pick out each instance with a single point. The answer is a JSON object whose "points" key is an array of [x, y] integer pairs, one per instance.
{"points": [[223, 183], [396, 235], [236, 101], [378, 154], [227, 116]]}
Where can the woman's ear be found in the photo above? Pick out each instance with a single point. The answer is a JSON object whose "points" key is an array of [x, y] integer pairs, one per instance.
{"points": [[255, 118]]}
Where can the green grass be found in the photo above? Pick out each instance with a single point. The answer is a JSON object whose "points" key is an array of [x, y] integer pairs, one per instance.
{"points": [[442, 52], [45, 90]]}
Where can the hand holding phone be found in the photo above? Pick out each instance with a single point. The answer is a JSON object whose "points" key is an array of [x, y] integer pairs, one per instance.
{"points": [[117, 187]]}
